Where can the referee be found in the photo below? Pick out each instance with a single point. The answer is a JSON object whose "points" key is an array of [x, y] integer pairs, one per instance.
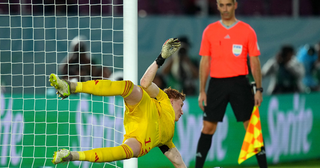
{"points": [[224, 49]]}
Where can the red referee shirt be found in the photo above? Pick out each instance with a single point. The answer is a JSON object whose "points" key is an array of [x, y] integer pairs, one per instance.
{"points": [[228, 48]]}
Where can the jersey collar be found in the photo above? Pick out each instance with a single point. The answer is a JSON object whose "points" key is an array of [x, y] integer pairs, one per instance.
{"points": [[228, 27]]}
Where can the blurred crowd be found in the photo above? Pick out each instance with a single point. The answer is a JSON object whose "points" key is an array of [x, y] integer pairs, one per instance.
{"points": [[156, 7], [181, 71], [78, 65], [290, 70], [294, 70]]}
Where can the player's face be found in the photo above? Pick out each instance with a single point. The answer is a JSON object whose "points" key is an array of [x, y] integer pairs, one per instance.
{"points": [[177, 106], [227, 8]]}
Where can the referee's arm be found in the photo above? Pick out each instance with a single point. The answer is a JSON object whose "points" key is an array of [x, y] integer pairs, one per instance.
{"points": [[203, 77], [256, 73]]}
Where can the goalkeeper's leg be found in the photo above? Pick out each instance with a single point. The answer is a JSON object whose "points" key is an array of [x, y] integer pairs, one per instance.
{"points": [[98, 87], [62, 86], [105, 88], [109, 154]]}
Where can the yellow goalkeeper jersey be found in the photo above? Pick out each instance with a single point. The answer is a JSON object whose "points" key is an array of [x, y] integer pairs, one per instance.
{"points": [[151, 122]]}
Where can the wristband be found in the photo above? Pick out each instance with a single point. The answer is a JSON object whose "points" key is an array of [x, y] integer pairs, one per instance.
{"points": [[160, 60], [259, 89]]}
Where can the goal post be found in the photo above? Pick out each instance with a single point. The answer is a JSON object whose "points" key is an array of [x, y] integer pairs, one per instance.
{"points": [[130, 52]]}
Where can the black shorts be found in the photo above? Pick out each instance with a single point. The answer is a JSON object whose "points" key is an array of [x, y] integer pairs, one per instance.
{"points": [[221, 91]]}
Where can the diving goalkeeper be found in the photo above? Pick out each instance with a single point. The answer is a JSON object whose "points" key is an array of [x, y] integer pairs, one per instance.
{"points": [[149, 117]]}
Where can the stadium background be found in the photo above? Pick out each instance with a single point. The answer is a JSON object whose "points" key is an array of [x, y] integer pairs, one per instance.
{"points": [[299, 111]]}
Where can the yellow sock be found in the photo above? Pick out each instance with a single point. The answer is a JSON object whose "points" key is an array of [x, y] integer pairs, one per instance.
{"points": [[107, 154], [105, 88]]}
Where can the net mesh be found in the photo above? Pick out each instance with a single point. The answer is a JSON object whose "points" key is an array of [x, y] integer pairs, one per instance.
{"points": [[79, 40]]}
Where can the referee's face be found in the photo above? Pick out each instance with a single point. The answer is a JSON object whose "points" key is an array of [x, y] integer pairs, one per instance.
{"points": [[227, 8], [177, 106]]}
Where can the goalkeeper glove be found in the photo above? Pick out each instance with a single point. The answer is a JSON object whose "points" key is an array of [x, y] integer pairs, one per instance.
{"points": [[168, 48]]}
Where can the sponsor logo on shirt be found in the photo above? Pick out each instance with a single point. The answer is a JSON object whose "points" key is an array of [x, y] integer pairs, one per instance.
{"points": [[236, 49]]}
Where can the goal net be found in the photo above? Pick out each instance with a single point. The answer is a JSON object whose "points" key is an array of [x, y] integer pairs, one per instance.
{"points": [[78, 40]]}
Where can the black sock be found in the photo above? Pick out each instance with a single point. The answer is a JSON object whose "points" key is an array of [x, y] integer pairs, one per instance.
{"points": [[262, 158], [204, 145]]}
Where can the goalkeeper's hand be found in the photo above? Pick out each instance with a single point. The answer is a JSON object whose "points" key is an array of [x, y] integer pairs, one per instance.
{"points": [[170, 47]]}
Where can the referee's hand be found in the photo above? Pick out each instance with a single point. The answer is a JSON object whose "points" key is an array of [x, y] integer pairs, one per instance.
{"points": [[202, 100], [258, 99]]}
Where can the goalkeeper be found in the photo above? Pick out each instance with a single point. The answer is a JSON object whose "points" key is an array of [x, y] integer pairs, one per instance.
{"points": [[149, 118]]}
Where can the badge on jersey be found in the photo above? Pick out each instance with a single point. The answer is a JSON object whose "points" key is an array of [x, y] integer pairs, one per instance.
{"points": [[236, 49]]}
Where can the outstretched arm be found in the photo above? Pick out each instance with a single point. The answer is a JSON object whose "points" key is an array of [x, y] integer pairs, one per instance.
{"points": [[146, 81], [174, 156], [168, 48]]}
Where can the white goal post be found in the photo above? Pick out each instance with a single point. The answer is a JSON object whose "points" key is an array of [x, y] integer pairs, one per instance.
{"points": [[130, 52]]}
